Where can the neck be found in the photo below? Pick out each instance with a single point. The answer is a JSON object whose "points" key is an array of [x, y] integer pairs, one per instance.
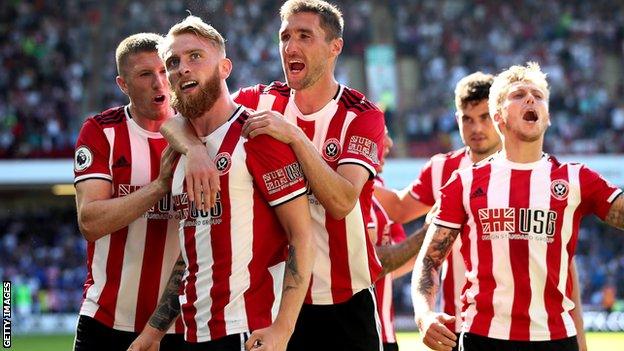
{"points": [[314, 98], [212, 119], [522, 151], [152, 125]]}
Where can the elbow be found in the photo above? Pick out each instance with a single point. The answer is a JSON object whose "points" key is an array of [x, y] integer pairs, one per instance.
{"points": [[88, 229], [340, 208]]}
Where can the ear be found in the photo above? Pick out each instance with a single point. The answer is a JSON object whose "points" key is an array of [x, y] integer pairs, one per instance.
{"points": [[336, 46], [225, 68], [121, 83]]}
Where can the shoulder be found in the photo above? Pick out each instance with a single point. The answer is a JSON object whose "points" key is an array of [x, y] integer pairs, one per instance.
{"points": [[108, 118], [276, 88], [354, 101]]}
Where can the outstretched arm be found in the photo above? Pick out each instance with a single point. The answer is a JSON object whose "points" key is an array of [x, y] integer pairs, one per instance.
{"points": [[400, 205], [425, 281], [166, 312], [295, 218], [399, 258], [201, 176]]}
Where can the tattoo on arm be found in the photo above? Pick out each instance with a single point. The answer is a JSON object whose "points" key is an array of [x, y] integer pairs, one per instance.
{"points": [[292, 270], [437, 250], [169, 306], [394, 256], [615, 216]]}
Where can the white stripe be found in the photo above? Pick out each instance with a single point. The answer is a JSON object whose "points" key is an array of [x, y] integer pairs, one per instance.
{"points": [[125, 310], [574, 200], [265, 102], [93, 175], [171, 253], [321, 273], [287, 197], [204, 282], [437, 164], [98, 271], [349, 117], [356, 246], [539, 199], [451, 225], [459, 279], [277, 274], [110, 136], [366, 165], [614, 195], [502, 300], [386, 308], [241, 228]]}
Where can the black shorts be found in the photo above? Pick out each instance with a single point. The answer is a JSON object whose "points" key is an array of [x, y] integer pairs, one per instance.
{"points": [[390, 346], [234, 342], [473, 342], [352, 325], [93, 335]]}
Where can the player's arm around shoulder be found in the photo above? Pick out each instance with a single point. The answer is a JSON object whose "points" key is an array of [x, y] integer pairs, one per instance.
{"points": [[100, 214], [200, 173], [294, 216], [425, 281]]}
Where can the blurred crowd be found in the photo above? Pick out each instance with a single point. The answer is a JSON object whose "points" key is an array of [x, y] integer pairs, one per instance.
{"points": [[57, 61], [43, 254]]}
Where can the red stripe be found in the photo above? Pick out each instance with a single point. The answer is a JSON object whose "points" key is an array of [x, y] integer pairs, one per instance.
{"points": [[221, 242], [552, 296], [307, 127], [190, 291], [339, 257], [260, 282], [89, 281], [153, 253], [114, 264], [519, 198], [484, 304]]}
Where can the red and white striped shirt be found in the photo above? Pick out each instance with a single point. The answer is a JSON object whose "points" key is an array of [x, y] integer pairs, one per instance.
{"points": [[519, 225], [235, 254], [348, 130], [426, 189], [388, 233], [127, 269]]}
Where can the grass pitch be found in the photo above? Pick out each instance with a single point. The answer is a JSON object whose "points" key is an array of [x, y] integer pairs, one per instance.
{"points": [[409, 341]]}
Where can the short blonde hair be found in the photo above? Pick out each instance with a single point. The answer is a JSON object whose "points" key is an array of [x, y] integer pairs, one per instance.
{"points": [[193, 25], [135, 44], [503, 81]]}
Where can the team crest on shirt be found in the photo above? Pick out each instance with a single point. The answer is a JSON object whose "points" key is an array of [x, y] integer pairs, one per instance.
{"points": [[331, 149], [223, 162], [559, 189], [83, 158]]}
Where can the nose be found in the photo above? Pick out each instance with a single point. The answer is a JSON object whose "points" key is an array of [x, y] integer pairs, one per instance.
{"points": [[530, 99], [160, 81], [289, 47]]}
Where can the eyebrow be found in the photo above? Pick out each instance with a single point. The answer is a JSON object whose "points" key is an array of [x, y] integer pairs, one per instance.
{"points": [[298, 30]]}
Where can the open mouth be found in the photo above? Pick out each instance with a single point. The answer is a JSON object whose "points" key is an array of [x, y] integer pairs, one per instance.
{"points": [[189, 84], [159, 99], [530, 116], [296, 66]]}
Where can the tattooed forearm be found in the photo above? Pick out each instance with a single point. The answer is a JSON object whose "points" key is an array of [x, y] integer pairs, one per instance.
{"points": [[438, 247], [292, 270], [615, 216], [169, 306], [394, 256]]}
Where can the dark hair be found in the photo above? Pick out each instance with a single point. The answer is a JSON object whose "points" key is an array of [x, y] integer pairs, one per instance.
{"points": [[472, 89], [330, 16]]}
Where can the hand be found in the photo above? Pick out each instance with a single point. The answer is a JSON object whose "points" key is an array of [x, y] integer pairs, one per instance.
{"points": [[202, 178], [270, 123], [167, 160], [148, 340], [435, 334], [268, 339]]}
